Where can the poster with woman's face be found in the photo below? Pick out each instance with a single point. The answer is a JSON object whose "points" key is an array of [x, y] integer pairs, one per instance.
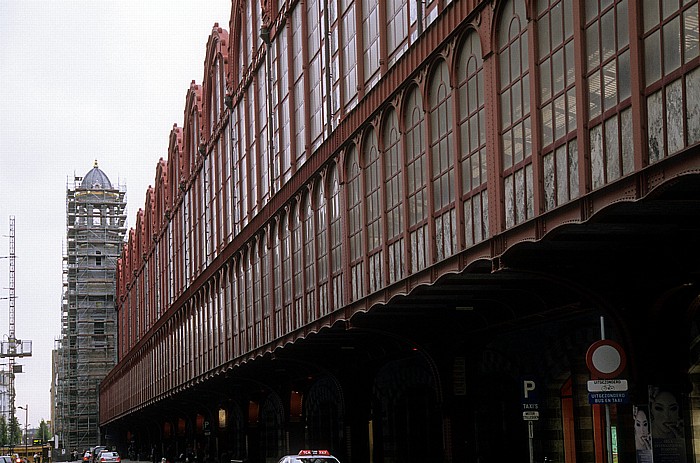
{"points": [[666, 425]]}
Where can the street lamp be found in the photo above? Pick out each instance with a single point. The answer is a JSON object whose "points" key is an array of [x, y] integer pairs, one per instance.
{"points": [[26, 422]]}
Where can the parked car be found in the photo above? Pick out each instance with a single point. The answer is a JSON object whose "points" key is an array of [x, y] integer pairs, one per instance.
{"points": [[109, 457], [310, 456], [6, 459], [96, 453]]}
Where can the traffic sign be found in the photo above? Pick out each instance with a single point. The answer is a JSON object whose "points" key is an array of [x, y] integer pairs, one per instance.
{"points": [[607, 385], [601, 398], [605, 359], [531, 415]]}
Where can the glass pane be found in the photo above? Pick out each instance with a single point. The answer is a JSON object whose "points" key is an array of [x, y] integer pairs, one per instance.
{"points": [[610, 83], [570, 63], [608, 35], [592, 46], [573, 169], [655, 127], [510, 203], [624, 78], [543, 37], [652, 58], [562, 171], [692, 90], [545, 80], [690, 23], [627, 147], [651, 14], [560, 117], [556, 25], [594, 96], [612, 151], [547, 127], [548, 166], [669, 7], [596, 140], [674, 116], [623, 36], [672, 45], [558, 73], [571, 102], [568, 19], [520, 210]]}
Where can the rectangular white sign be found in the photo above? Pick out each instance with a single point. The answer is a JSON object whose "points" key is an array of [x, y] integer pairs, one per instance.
{"points": [[607, 385]]}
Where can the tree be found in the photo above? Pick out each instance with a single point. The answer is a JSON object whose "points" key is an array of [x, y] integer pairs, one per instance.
{"points": [[43, 432], [15, 432], [4, 437]]}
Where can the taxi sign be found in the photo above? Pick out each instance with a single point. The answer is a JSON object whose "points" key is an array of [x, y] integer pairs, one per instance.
{"points": [[314, 452]]}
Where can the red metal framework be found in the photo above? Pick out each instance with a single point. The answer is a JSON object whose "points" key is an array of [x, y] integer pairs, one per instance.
{"points": [[440, 167]]}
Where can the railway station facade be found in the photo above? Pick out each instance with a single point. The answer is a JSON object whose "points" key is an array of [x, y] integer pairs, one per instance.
{"points": [[459, 231]]}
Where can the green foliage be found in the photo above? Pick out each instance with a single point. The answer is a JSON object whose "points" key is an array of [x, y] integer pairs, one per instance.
{"points": [[4, 434], [15, 432], [43, 432]]}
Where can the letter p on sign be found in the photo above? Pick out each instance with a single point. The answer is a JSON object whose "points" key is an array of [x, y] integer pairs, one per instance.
{"points": [[528, 387]]}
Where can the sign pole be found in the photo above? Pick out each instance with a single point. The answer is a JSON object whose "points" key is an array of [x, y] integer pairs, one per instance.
{"points": [[530, 436], [608, 430]]}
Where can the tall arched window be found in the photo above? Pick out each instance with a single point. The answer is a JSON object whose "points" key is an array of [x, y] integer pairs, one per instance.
{"points": [[442, 175], [557, 101], [472, 132], [672, 76], [416, 189], [298, 265], [277, 272], [287, 294], [373, 210], [336, 238], [309, 236], [516, 132], [322, 267], [609, 91], [393, 196], [266, 288], [355, 226]]}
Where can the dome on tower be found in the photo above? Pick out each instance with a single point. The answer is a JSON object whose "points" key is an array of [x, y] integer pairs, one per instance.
{"points": [[96, 179]]}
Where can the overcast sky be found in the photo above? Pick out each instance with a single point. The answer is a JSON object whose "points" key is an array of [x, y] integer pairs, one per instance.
{"points": [[82, 81]]}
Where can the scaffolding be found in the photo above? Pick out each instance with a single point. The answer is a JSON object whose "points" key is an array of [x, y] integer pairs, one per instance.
{"points": [[95, 231]]}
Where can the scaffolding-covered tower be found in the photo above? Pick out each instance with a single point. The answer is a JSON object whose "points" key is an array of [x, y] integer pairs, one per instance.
{"points": [[96, 226]]}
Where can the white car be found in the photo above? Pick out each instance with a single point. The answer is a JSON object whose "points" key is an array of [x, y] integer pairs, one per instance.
{"points": [[310, 456]]}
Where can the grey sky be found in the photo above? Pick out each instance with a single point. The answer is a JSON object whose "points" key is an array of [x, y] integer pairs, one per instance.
{"points": [[82, 80]]}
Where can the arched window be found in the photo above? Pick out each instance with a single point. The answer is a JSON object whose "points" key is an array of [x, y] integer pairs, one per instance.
{"points": [[336, 238], [277, 272], [472, 133], [373, 211], [516, 132], [298, 265], [309, 243], [672, 76], [393, 196], [416, 189], [322, 267], [443, 182], [557, 108], [266, 288], [287, 295], [355, 226], [608, 77]]}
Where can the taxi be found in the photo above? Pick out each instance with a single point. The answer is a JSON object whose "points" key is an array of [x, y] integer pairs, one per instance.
{"points": [[310, 456]]}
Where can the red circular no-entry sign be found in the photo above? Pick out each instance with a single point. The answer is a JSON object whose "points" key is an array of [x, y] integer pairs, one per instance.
{"points": [[605, 359]]}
